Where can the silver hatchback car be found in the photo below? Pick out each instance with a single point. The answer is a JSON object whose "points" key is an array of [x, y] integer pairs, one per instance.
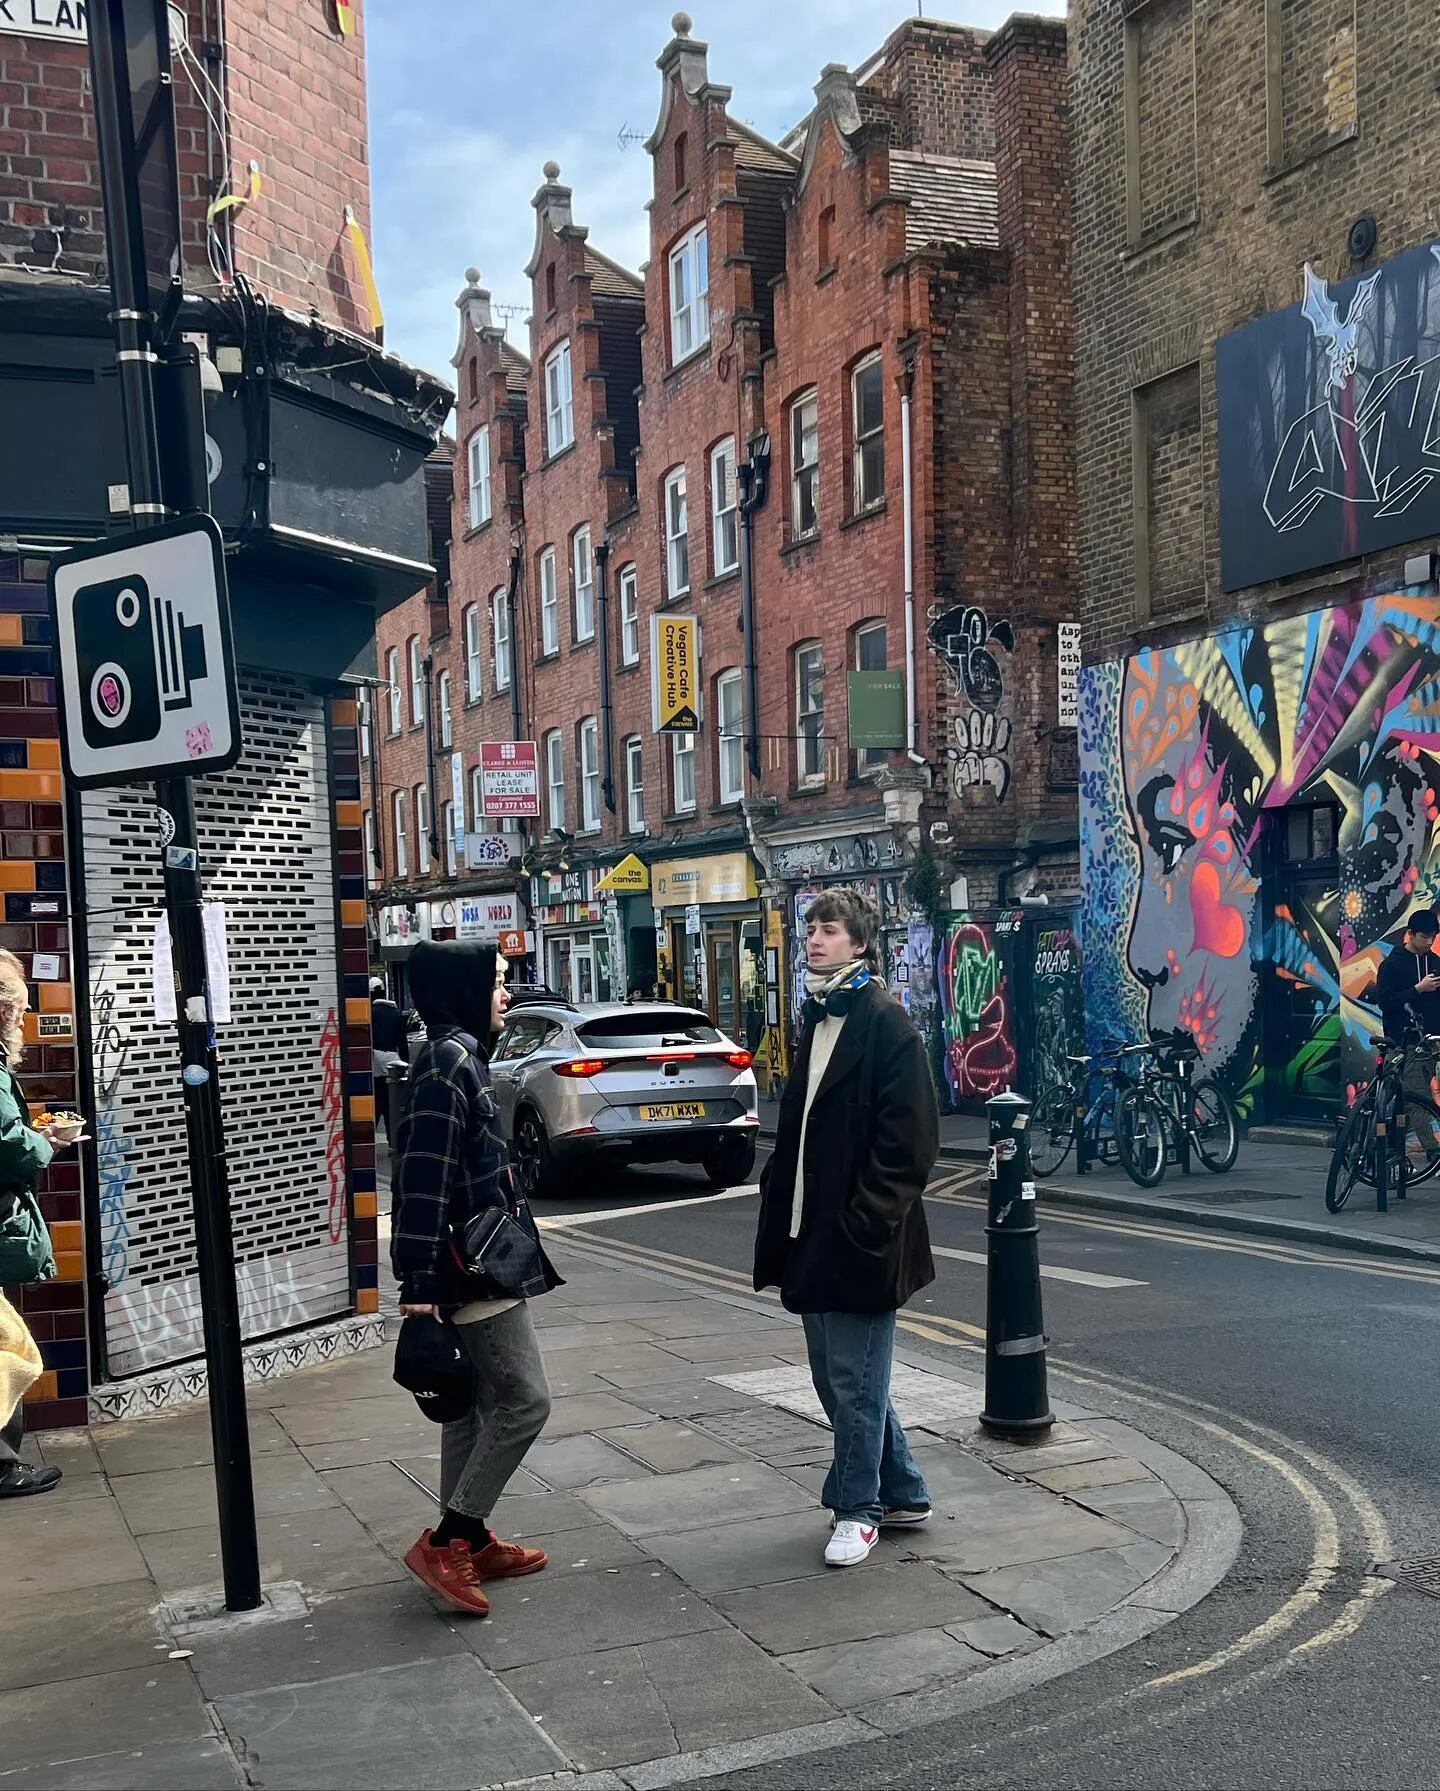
{"points": [[647, 1082]]}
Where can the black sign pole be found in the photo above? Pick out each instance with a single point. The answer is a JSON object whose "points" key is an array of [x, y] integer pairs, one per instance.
{"points": [[120, 30]]}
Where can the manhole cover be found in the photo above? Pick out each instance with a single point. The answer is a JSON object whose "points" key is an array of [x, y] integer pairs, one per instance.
{"points": [[1421, 1573], [1221, 1194]]}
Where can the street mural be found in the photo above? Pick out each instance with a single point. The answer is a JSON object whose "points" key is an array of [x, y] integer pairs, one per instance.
{"points": [[970, 644], [975, 1012], [1188, 755], [1329, 422]]}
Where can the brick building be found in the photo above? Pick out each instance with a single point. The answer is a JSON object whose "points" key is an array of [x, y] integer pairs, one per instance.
{"points": [[316, 446], [1258, 316], [894, 271]]}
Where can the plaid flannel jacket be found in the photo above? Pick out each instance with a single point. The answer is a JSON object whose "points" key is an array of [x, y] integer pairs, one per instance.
{"points": [[451, 1160]]}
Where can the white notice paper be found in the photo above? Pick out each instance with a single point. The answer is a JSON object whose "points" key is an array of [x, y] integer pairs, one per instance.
{"points": [[217, 964], [45, 967]]}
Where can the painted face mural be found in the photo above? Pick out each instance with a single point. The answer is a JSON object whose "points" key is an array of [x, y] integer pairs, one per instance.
{"points": [[1199, 764]]}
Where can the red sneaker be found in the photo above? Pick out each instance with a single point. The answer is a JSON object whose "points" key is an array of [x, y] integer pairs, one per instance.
{"points": [[449, 1571], [507, 1561]]}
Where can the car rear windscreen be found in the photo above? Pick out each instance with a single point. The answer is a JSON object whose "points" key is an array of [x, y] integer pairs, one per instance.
{"points": [[652, 1031]]}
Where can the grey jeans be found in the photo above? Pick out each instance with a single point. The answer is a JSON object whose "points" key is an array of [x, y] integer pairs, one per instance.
{"points": [[479, 1452]]}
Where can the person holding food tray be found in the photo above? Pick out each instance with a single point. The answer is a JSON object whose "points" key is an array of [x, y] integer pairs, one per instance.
{"points": [[25, 1255], [465, 1251]]}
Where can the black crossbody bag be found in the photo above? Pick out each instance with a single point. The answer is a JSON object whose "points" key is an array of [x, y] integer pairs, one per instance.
{"points": [[496, 1247]]}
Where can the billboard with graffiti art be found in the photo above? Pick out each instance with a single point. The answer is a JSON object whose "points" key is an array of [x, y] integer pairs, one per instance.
{"points": [[1260, 810], [1329, 422]]}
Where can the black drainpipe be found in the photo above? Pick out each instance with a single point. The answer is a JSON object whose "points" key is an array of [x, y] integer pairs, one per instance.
{"points": [[512, 595], [607, 712], [437, 857]]}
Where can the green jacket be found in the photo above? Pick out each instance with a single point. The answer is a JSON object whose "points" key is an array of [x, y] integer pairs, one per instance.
{"points": [[23, 1152]]}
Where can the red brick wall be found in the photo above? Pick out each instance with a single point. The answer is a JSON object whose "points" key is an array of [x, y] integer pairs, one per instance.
{"points": [[580, 484], [933, 83], [827, 317], [296, 96], [687, 410]]}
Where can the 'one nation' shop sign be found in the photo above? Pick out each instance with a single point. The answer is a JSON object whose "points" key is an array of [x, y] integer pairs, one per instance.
{"points": [[44, 18]]}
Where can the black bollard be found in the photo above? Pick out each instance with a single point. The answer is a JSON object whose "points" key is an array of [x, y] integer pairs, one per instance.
{"points": [[1017, 1402]]}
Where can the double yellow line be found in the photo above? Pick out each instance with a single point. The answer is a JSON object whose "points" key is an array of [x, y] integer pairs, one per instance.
{"points": [[1261, 1248]]}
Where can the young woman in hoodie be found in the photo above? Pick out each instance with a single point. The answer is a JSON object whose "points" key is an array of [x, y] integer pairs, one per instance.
{"points": [[451, 1161]]}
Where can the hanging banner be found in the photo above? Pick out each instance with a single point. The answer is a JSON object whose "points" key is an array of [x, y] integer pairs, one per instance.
{"points": [[457, 802], [675, 673]]}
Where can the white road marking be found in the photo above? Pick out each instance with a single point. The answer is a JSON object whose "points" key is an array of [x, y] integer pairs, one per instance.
{"points": [[565, 1221], [1081, 1277]]}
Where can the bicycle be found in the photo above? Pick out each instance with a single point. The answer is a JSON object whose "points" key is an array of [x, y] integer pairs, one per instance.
{"points": [[1386, 1131], [1200, 1113], [1064, 1114]]}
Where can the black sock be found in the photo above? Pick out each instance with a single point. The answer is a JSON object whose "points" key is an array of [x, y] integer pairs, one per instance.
{"points": [[454, 1526]]}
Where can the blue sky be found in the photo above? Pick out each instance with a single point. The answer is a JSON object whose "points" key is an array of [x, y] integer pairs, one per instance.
{"points": [[468, 101]]}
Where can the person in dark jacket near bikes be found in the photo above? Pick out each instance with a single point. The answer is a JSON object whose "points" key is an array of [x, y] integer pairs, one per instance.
{"points": [[451, 1161], [1407, 989]]}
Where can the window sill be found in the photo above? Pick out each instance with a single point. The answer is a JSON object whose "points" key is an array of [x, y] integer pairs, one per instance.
{"points": [[695, 356], [828, 272], [628, 665], [678, 598], [559, 454], [798, 791], [721, 578], [1142, 246], [799, 542], [1303, 158], [729, 806], [878, 508], [478, 528], [545, 658], [679, 814], [580, 645]]}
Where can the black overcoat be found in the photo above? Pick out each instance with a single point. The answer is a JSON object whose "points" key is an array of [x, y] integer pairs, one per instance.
{"points": [[870, 1144]]}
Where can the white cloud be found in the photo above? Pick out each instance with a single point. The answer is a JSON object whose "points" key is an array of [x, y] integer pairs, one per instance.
{"points": [[467, 105]]}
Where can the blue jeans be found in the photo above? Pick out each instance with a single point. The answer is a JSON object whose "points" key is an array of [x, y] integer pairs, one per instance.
{"points": [[850, 1355]]}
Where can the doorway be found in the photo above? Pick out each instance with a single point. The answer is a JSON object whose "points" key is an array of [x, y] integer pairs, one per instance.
{"points": [[1300, 1014]]}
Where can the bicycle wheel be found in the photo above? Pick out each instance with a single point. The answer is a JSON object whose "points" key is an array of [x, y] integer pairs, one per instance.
{"points": [[1353, 1155], [1052, 1129], [1141, 1140], [1422, 1140], [1215, 1126]]}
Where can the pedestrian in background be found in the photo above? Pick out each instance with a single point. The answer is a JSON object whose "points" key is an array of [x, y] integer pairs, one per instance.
{"points": [[451, 1162], [25, 1253], [387, 1046], [1407, 990], [842, 1231]]}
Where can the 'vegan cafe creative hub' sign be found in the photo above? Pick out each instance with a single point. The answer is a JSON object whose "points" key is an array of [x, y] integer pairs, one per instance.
{"points": [[44, 18]]}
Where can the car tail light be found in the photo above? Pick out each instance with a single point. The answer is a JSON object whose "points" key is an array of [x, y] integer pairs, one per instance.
{"points": [[579, 1067], [739, 1060], [672, 1057]]}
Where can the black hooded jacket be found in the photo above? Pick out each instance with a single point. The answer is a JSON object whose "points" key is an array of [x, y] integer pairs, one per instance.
{"points": [[451, 1159]]}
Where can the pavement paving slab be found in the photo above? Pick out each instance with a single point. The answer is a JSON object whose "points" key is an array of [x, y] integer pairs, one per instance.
{"points": [[671, 1446], [161, 1766], [672, 1696], [49, 1548], [132, 1708], [282, 1482], [1060, 1594], [853, 1674], [566, 1463], [442, 1725], [731, 1556], [76, 1633], [732, 1492], [795, 1615], [539, 1619], [327, 1550], [570, 1416], [171, 1440]]}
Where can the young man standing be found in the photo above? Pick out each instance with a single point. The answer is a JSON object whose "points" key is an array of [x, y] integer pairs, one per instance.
{"points": [[842, 1232]]}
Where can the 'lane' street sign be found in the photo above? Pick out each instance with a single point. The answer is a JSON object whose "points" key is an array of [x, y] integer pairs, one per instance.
{"points": [[146, 660]]}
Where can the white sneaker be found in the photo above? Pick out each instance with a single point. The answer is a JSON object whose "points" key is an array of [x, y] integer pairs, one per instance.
{"points": [[897, 1517], [850, 1543]]}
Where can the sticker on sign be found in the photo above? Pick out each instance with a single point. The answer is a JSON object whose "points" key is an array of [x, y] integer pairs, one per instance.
{"points": [[146, 661]]}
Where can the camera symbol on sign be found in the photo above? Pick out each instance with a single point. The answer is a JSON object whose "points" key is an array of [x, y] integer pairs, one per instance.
{"points": [[137, 657]]}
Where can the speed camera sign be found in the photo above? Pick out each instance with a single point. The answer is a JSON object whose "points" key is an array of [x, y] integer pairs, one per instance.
{"points": [[146, 661]]}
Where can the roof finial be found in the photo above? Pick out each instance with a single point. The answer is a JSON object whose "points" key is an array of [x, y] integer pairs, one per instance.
{"points": [[472, 276], [682, 24], [551, 171]]}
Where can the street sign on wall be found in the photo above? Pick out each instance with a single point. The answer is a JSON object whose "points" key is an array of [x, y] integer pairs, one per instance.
{"points": [[876, 704], [675, 673], [146, 660], [457, 804], [44, 18], [1068, 708], [510, 779], [487, 917]]}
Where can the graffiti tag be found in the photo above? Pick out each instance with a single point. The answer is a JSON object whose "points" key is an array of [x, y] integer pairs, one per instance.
{"points": [[969, 643]]}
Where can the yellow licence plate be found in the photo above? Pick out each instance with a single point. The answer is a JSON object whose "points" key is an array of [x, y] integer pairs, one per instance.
{"points": [[675, 1110]]}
